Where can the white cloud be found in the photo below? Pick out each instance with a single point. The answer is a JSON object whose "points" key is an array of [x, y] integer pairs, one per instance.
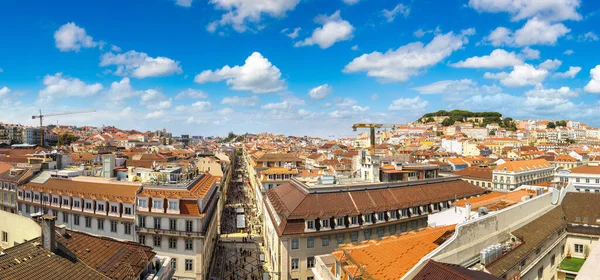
{"points": [[4, 91], [225, 111], [294, 34], [500, 36], [240, 13], [499, 58], [115, 48], [521, 75], [374, 96], [568, 52], [351, 2], [191, 93], [529, 53], [140, 65], [419, 33], [550, 10], [571, 73], [71, 37], [352, 111], [345, 102], [539, 32], [198, 106], [334, 29], [241, 101], [58, 86], [414, 103], [594, 85], [320, 92], [360, 109], [257, 75], [354, 48], [550, 64], [155, 115], [534, 32], [184, 3], [390, 15], [192, 120], [283, 105], [540, 99], [122, 90], [588, 37], [155, 100], [446, 86], [408, 60]]}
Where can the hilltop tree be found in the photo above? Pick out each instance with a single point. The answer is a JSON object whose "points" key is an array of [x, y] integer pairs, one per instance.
{"points": [[551, 125]]}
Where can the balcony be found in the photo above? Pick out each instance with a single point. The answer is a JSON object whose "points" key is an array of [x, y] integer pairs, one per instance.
{"points": [[169, 232], [571, 265], [322, 268]]}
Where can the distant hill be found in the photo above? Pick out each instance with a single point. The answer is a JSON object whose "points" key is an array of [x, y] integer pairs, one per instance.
{"points": [[478, 118]]}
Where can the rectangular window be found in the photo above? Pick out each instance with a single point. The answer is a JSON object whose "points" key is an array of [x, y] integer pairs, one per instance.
{"points": [[157, 223], [142, 203], [325, 223], [404, 212], [339, 238], [367, 233], [127, 227], [393, 214], [310, 242], [65, 202], [173, 205], [157, 240], [393, 229], [325, 241], [578, 248], [189, 244], [381, 216], [77, 204], [368, 218], [310, 262], [127, 210], [310, 224], [4, 236], [113, 226], [174, 264], [101, 207], [142, 221], [76, 219], [88, 222], [403, 227], [189, 265], [143, 239], [156, 204], [55, 200], [380, 232], [101, 224], [172, 224], [88, 205], [27, 208], [65, 217], [295, 243], [355, 220], [188, 226], [339, 222], [172, 243], [354, 236], [295, 263], [114, 209]]}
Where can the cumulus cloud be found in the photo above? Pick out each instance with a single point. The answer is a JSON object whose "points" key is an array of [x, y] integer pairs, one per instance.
{"points": [[588, 37], [334, 29], [445, 86], [529, 53], [239, 101], [594, 85], [71, 37], [58, 86], [184, 3], [155, 100], [4, 91], [345, 102], [155, 115], [354, 48], [408, 60], [550, 64], [414, 103], [320, 92], [534, 32], [348, 112], [390, 15], [239, 14], [122, 90], [351, 2], [283, 105], [140, 65], [521, 75], [549, 10], [571, 73], [191, 93], [499, 58], [257, 75], [293, 34], [198, 106], [568, 52]]}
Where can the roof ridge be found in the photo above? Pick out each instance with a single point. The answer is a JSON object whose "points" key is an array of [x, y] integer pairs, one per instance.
{"points": [[446, 268]]}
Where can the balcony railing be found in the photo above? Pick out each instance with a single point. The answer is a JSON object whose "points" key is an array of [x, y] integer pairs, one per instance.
{"points": [[169, 232]]}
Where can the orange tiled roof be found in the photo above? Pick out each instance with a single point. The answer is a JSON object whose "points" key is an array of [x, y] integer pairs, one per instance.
{"points": [[394, 256], [99, 190], [523, 165], [586, 169]]}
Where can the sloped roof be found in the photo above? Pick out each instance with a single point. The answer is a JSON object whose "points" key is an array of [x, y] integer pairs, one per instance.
{"points": [[436, 270], [100, 190], [475, 172], [523, 165], [586, 169]]}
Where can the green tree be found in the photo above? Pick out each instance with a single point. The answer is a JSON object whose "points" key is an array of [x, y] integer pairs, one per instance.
{"points": [[430, 119], [493, 132], [66, 139], [562, 123], [448, 122], [551, 125]]}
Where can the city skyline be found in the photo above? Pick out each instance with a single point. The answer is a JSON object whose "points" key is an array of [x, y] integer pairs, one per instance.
{"points": [[296, 67]]}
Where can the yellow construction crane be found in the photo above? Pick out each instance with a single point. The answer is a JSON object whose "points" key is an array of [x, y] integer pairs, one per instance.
{"points": [[372, 127], [42, 116]]}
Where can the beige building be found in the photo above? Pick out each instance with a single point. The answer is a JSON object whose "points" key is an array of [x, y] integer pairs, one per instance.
{"points": [[512, 174], [13, 235], [478, 176], [303, 221]]}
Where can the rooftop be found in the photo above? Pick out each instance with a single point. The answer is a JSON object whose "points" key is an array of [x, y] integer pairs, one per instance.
{"points": [[88, 188], [523, 165], [475, 172]]}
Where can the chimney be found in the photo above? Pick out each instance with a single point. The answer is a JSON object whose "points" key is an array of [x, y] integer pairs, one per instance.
{"points": [[48, 233]]}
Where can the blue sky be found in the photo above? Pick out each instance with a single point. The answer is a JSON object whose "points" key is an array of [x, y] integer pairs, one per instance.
{"points": [[300, 67]]}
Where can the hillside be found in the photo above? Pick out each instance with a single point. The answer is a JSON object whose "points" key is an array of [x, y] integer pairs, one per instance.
{"points": [[478, 118]]}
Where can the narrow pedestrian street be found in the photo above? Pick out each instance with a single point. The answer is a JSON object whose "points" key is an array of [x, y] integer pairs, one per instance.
{"points": [[238, 253]]}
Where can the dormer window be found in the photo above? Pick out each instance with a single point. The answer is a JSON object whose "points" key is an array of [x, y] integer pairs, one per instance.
{"points": [[325, 223], [355, 220], [114, 209], [101, 207], [381, 216], [173, 205], [55, 200], [310, 224], [368, 218], [76, 204], [157, 204], [65, 202], [88, 205], [339, 222], [142, 203], [393, 214]]}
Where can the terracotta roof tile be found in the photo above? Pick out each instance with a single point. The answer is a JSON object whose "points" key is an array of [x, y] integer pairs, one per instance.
{"points": [[100, 190]]}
